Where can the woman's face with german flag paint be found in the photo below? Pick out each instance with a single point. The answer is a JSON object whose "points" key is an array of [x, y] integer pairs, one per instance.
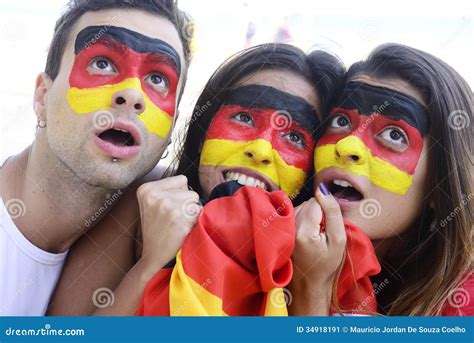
{"points": [[372, 155], [112, 106], [263, 135]]}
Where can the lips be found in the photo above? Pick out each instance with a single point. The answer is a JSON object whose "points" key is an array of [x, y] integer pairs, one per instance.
{"points": [[345, 188], [246, 177], [121, 140]]}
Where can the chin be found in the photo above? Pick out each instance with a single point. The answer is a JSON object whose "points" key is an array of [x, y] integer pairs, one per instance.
{"points": [[110, 180]]}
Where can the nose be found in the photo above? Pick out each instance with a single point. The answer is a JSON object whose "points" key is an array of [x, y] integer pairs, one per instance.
{"points": [[259, 151], [351, 149], [129, 100]]}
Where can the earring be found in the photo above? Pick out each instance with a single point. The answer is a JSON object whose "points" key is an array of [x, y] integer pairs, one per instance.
{"points": [[166, 154], [41, 124], [166, 151]]}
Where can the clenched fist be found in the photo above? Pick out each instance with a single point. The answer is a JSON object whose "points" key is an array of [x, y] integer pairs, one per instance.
{"points": [[168, 211]]}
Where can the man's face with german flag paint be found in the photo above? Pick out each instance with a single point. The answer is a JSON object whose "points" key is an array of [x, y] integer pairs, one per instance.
{"points": [[121, 59], [262, 136], [372, 147], [112, 107]]}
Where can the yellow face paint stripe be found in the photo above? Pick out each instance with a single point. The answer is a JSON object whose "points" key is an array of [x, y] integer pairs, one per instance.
{"points": [[87, 100], [227, 153], [188, 298], [378, 171]]}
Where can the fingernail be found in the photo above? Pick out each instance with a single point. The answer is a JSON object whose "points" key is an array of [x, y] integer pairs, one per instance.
{"points": [[324, 189]]}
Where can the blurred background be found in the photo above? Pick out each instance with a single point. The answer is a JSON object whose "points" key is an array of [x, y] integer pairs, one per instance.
{"points": [[350, 29]]}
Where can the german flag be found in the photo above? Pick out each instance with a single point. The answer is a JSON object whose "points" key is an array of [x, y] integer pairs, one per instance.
{"points": [[237, 260], [355, 292]]}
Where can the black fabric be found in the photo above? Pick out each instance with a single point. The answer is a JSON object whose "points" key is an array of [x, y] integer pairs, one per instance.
{"points": [[224, 190]]}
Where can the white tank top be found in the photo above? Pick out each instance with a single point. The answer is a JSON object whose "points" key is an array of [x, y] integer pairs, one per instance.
{"points": [[28, 274]]}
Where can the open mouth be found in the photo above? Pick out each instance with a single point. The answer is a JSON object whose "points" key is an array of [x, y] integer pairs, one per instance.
{"points": [[344, 190], [122, 141], [117, 137], [247, 179]]}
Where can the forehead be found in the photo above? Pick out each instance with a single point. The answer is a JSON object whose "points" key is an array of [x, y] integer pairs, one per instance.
{"points": [[145, 23], [285, 81], [392, 83]]}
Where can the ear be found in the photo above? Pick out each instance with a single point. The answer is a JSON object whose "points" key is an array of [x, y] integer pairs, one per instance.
{"points": [[42, 85]]}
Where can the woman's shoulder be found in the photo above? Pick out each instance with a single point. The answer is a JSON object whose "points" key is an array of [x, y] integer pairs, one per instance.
{"points": [[461, 300]]}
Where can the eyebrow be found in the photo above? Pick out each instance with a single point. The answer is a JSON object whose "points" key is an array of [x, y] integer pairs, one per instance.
{"points": [[369, 100], [134, 40], [266, 97]]}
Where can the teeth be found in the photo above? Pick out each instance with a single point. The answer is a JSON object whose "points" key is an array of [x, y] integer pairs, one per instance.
{"points": [[342, 183], [245, 180], [117, 129]]}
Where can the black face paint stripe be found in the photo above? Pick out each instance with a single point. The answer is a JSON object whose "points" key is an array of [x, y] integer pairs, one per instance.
{"points": [[134, 40], [266, 97], [368, 99]]}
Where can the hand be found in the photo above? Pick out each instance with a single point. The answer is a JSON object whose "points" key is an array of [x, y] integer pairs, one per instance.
{"points": [[317, 256], [168, 212]]}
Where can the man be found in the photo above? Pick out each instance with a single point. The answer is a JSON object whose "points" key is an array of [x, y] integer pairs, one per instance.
{"points": [[105, 106]]}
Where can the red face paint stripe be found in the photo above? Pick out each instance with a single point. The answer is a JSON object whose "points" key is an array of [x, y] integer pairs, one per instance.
{"points": [[129, 64], [368, 127], [224, 127]]}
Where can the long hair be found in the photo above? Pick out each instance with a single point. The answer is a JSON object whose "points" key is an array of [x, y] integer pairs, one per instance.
{"points": [[438, 252], [320, 68]]}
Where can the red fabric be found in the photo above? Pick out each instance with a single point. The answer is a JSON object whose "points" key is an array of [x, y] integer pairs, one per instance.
{"points": [[355, 292], [243, 244], [461, 301], [244, 247]]}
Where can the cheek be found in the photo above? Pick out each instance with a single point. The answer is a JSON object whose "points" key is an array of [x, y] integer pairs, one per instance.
{"points": [[389, 206], [302, 159]]}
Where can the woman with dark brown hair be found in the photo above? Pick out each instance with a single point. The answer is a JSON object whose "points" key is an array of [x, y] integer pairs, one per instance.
{"points": [[397, 155]]}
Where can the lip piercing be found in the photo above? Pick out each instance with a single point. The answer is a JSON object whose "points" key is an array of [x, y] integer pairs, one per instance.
{"points": [[114, 160]]}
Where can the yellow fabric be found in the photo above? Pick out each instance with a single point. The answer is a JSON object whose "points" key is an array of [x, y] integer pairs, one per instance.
{"points": [[87, 100], [189, 298], [276, 303], [228, 153], [378, 171]]}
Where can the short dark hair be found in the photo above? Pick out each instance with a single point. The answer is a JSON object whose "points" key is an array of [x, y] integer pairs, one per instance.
{"points": [[76, 8], [323, 70]]}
